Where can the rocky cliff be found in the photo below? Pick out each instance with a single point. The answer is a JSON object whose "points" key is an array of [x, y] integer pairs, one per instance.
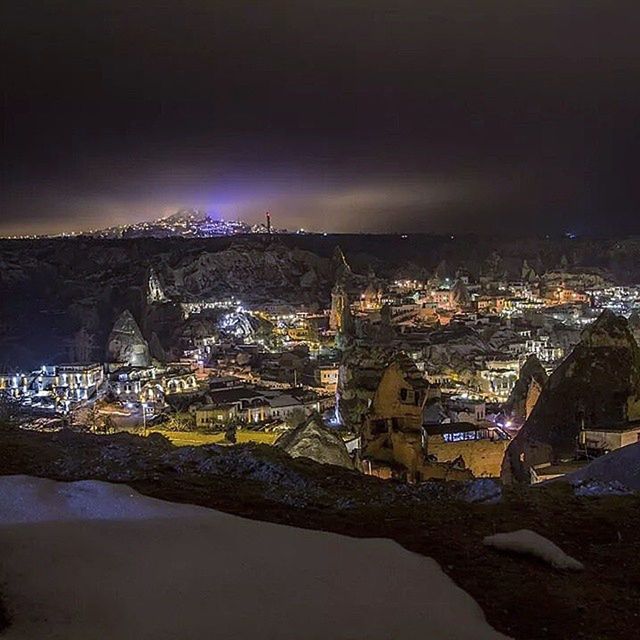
{"points": [[51, 289], [252, 271]]}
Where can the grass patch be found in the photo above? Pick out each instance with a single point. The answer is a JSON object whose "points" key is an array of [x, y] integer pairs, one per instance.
{"points": [[193, 438]]}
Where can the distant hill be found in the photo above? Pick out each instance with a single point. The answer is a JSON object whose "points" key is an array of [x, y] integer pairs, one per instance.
{"points": [[51, 288], [186, 223]]}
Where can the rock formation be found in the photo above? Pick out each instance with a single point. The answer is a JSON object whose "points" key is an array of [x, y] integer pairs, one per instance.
{"points": [[634, 325], [392, 431], [461, 297], [81, 282], [313, 440], [527, 273], [156, 349], [597, 385], [251, 271], [239, 323], [372, 295], [359, 374], [385, 333], [126, 344], [527, 389], [155, 292], [340, 265], [340, 317], [442, 271]]}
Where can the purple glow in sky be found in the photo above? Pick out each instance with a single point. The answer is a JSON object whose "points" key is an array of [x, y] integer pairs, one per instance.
{"points": [[348, 116]]}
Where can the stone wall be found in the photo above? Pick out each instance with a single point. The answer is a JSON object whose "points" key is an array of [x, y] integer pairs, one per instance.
{"points": [[482, 457]]}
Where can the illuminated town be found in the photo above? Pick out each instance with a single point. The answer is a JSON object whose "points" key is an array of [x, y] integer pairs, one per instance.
{"points": [[479, 348], [252, 373], [320, 321]]}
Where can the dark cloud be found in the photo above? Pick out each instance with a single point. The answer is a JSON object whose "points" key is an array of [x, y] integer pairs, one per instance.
{"points": [[345, 115]]}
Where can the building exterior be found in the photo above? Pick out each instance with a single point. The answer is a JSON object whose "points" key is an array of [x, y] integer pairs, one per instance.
{"points": [[74, 382], [498, 377], [15, 385], [371, 298], [252, 405], [543, 349], [151, 384], [467, 410], [392, 431], [443, 298], [327, 377], [215, 415], [479, 446], [54, 388], [600, 440]]}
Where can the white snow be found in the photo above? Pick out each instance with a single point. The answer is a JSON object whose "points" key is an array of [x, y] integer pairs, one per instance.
{"points": [[621, 466], [596, 488], [529, 542], [89, 560]]}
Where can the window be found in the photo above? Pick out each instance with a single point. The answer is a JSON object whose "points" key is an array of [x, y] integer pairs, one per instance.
{"points": [[460, 436], [378, 427], [407, 395]]}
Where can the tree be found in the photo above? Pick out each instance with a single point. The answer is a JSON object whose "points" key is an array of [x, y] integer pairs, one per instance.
{"points": [[181, 422], [9, 408], [230, 434], [108, 425]]}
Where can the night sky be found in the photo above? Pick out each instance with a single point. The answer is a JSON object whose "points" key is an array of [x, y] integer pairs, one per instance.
{"points": [[430, 115]]}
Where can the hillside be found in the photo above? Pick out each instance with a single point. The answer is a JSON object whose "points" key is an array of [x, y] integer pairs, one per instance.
{"points": [[432, 519], [55, 287]]}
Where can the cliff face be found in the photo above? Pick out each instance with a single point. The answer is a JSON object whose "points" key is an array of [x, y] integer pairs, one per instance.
{"points": [[598, 385], [252, 272]]}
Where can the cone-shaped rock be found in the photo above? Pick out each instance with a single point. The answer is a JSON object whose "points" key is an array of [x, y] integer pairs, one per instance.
{"points": [[156, 348], [634, 325], [597, 386], [126, 344], [527, 389], [461, 297]]}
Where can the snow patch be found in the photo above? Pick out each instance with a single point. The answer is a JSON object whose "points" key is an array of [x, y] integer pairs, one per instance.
{"points": [[531, 543], [621, 466], [91, 560], [595, 488]]}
